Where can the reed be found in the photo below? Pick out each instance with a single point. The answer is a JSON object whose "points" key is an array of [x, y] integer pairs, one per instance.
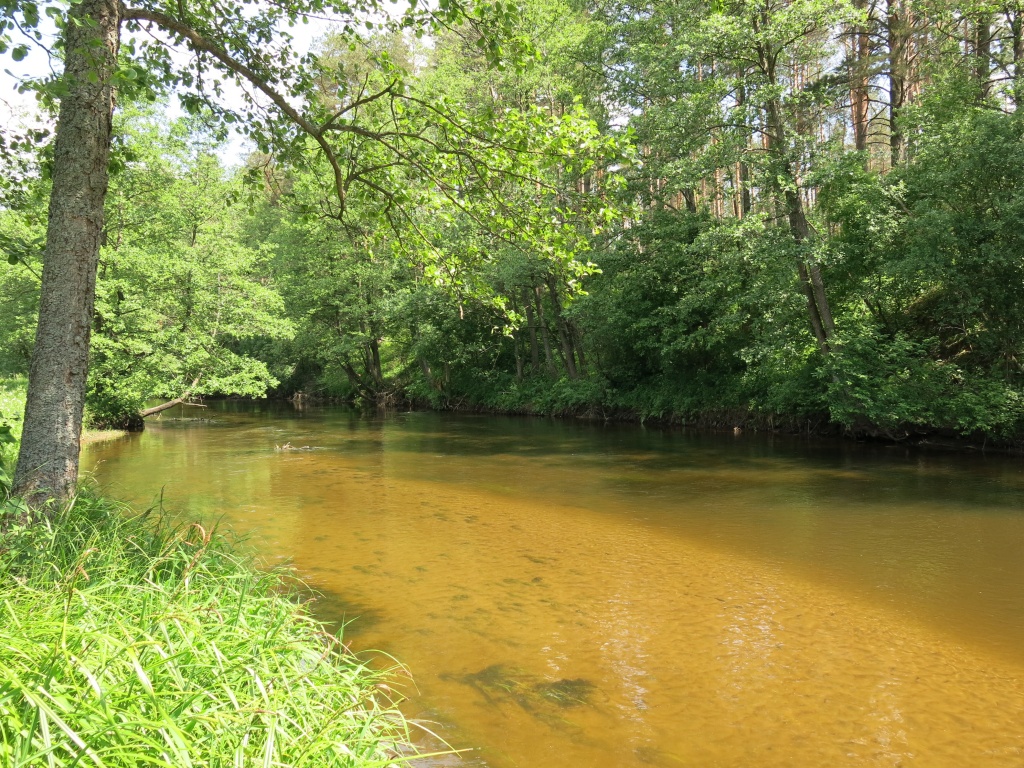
{"points": [[124, 642]]}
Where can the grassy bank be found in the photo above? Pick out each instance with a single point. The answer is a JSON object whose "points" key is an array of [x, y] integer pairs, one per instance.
{"points": [[125, 643], [12, 405]]}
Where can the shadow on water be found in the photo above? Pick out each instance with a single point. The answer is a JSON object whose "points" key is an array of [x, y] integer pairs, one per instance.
{"points": [[347, 619], [830, 468], [499, 684], [547, 700]]}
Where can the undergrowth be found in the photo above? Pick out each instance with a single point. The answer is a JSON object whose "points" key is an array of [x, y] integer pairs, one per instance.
{"points": [[126, 643]]}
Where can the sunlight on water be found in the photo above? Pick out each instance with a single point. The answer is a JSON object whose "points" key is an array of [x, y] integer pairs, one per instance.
{"points": [[575, 595]]}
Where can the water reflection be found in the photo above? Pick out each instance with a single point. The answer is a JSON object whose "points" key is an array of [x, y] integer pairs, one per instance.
{"points": [[570, 594]]}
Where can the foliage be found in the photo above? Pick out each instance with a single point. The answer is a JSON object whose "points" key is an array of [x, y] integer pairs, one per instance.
{"points": [[935, 248], [727, 211], [178, 292], [130, 643], [12, 401], [21, 236]]}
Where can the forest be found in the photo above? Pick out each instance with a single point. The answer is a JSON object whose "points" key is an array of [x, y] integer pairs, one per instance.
{"points": [[767, 215], [776, 214]]}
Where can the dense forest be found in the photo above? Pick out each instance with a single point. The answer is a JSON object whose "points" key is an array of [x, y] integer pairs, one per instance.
{"points": [[764, 214], [788, 214]]}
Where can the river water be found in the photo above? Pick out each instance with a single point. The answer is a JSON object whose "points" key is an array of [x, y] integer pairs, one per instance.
{"points": [[608, 596]]}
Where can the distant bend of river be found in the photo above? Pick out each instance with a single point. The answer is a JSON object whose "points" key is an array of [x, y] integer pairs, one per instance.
{"points": [[569, 594]]}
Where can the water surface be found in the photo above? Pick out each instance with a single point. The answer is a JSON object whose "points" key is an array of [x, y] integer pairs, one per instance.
{"points": [[570, 594]]}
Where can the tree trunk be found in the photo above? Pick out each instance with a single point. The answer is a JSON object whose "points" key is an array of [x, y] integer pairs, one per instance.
{"points": [[378, 370], [516, 349], [899, 38], [860, 97], [165, 406], [544, 333], [577, 342], [742, 170], [983, 55], [690, 198], [818, 310], [357, 382], [429, 375], [532, 326], [563, 332], [48, 461], [813, 285]]}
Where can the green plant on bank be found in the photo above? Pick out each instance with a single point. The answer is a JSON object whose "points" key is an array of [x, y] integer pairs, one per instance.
{"points": [[12, 403], [7, 439], [125, 643]]}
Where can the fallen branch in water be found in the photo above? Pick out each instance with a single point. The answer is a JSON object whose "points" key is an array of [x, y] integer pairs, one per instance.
{"points": [[180, 400]]}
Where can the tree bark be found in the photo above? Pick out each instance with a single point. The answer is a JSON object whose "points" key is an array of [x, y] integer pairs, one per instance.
{"points": [[983, 55], [48, 459], [900, 23], [563, 332], [544, 333], [860, 58], [516, 349], [742, 170], [818, 309], [532, 326], [378, 370]]}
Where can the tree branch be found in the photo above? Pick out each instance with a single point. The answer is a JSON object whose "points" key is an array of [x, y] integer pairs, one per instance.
{"points": [[200, 43], [171, 403]]}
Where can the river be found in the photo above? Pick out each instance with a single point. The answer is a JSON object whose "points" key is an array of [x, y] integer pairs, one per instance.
{"points": [[608, 596]]}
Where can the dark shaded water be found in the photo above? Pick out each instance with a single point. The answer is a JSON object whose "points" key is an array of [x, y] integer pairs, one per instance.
{"points": [[569, 594]]}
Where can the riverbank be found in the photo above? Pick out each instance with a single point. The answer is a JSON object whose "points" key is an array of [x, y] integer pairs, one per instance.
{"points": [[128, 642], [100, 435], [580, 401], [738, 421]]}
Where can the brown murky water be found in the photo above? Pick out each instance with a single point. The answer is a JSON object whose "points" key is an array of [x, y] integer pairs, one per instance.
{"points": [[609, 597]]}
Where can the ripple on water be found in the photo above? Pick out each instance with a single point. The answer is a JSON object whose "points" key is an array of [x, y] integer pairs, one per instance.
{"points": [[649, 600]]}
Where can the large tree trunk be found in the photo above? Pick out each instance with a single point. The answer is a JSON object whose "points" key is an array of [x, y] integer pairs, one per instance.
{"points": [[48, 461]]}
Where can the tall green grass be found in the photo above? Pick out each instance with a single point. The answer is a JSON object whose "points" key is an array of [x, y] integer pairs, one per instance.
{"points": [[124, 643]]}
